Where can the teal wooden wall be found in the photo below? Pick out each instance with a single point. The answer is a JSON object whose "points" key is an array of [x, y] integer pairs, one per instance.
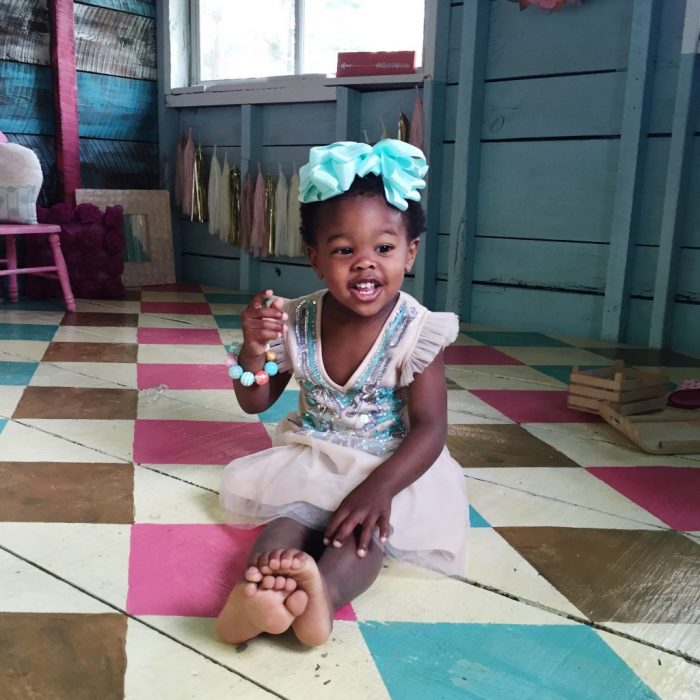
{"points": [[117, 90], [545, 156]]}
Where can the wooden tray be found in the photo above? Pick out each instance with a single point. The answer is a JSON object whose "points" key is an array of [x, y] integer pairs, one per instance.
{"points": [[667, 432]]}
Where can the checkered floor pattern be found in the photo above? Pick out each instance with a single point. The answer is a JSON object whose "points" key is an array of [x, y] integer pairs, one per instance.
{"points": [[115, 421]]}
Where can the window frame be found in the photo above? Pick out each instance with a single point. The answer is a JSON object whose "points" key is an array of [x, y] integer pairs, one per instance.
{"points": [[184, 87]]}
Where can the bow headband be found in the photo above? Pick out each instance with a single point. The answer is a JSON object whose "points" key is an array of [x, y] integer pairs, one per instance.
{"points": [[332, 169]]}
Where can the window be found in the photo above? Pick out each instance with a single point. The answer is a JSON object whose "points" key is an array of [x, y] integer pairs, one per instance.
{"points": [[239, 39]]}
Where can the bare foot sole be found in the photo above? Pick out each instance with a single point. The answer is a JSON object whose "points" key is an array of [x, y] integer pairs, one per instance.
{"points": [[252, 609], [314, 624]]}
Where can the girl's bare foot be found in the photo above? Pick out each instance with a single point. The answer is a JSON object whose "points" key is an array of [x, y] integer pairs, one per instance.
{"points": [[267, 604], [313, 625]]}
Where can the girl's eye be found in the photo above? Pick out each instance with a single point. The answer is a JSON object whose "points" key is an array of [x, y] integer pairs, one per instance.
{"points": [[385, 248], [343, 251]]}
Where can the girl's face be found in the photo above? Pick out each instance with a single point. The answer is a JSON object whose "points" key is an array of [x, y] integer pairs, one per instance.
{"points": [[362, 252]]}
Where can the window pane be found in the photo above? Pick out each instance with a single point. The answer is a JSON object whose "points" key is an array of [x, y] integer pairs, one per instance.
{"points": [[246, 38], [331, 26]]}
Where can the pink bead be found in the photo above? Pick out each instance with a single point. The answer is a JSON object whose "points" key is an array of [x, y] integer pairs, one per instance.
{"points": [[231, 360], [262, 377]]}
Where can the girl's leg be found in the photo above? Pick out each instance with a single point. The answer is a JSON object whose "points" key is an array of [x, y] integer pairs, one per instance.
{"points": [[251, 609]]}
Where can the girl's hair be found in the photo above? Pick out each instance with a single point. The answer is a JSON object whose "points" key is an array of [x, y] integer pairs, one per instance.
{"points": [[370, 185]]}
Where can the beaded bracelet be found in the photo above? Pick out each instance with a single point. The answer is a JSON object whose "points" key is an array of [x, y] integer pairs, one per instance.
{"points": [[246, 378]]}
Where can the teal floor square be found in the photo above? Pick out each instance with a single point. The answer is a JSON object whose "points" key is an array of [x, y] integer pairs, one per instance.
{"points": [[17, 373], [562, 372], [499, 662], [3, 421], [228, 321], [516, 339], [287, 402], [476, 519], [228, 298], [25, 331]]}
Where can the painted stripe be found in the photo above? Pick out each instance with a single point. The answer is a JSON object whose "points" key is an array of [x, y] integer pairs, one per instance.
{"points": [[24, 32], [119, 164], [138, 7], [117, 108], [27, 98]]}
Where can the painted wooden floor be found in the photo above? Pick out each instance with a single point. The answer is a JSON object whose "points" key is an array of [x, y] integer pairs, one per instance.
{"points": [[115, 421]]}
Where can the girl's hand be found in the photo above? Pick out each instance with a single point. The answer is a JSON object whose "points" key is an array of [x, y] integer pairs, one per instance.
{"points": [[261, 323], [367, 507]]}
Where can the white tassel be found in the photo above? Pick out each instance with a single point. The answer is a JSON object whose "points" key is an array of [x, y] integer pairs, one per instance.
{"points": [[224, 214], [294, 246], [213, 195], [281, 206]]}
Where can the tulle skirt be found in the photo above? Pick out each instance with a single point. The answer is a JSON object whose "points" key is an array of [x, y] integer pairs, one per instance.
{"points": [[306, 477]]}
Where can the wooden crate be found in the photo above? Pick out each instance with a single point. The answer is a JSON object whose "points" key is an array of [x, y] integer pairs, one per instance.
{"points": [[627, 391]]}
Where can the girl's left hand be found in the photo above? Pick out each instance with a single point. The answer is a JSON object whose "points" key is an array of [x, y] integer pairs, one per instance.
{"points": [[367, 507]]}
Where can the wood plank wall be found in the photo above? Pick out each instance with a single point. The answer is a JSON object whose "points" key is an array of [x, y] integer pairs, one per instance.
{"points": [[553, 100], [117, 90]]}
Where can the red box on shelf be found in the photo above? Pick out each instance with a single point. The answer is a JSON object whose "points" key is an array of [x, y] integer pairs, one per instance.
{"points": [[355, 63]]}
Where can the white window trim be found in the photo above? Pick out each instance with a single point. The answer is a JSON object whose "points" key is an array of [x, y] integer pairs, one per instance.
{"points": [[182, 61]]}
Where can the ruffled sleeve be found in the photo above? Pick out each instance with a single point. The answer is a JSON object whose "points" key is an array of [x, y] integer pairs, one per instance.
{"points": [[280, 345], [438, 330]]}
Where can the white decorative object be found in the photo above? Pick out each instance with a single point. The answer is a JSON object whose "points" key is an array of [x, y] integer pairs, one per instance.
{"points": [[20, 182]]}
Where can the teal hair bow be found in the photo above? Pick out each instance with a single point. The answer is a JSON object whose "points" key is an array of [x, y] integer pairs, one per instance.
{"points": [[332, 169]]}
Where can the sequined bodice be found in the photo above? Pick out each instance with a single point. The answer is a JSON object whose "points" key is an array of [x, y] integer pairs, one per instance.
{"points": [[367, 413]]}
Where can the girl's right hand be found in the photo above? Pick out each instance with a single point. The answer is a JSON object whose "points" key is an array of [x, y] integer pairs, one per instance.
{"points": [[262, 323]]}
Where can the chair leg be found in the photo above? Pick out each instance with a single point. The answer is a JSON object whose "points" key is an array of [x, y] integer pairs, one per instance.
{"points": [[62, 271], [12, 290]]}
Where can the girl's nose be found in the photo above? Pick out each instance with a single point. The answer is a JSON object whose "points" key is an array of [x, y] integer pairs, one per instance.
{"points": [[364, 260]]}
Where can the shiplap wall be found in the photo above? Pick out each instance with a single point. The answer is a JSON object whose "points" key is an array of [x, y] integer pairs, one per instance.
{"points": [[117, 90], [553, 100]]}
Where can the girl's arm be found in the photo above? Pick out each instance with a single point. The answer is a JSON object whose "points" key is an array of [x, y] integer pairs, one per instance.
{"points": [[369, 504], [260, 325]]}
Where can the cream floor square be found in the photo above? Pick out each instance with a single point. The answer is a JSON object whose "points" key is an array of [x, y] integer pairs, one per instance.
{"points": [[502, 377], [405, 593], [95, 334], [161, 499], [667, 675], [284, 666], [679, 637], [64, 549], [113, 438], [25, 588], [569, 485], [227, 309], [230, 335], [9, 398], [167, 320], [110, 306], [206, 475], [492, 561], [24, 442], [503, 506], [181, 355], [466, 340], [22, 350], [172, 296], [554, 356], [464, 408], [177, 672], [185, 405], [589, 343], [98, 375], [676, 374], [34, 318], [599, 453]]}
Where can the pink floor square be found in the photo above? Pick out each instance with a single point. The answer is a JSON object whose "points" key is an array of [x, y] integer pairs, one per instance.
{"points": [[183, 376], [196, 441], [188, 570], [528, 406], [175, 307], [672, 494], [477, 355], [175, 287], [178, 336]]}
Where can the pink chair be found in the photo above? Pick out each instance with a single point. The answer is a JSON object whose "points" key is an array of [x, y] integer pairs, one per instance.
{"points": [[58, 270]]}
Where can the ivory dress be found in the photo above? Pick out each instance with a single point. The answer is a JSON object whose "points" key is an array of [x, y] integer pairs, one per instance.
{"points": [[341, 433]]}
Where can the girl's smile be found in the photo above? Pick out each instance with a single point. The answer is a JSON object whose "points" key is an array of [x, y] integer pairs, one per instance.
{"points": [[362, 253]]}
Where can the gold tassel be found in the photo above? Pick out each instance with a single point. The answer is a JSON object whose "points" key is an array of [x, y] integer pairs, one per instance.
{"points": [[270, 215], [404, 128], [234, 233], [199, 192]]}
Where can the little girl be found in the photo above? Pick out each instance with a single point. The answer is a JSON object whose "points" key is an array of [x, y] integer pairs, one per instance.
{"points": [[360, 471]]}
